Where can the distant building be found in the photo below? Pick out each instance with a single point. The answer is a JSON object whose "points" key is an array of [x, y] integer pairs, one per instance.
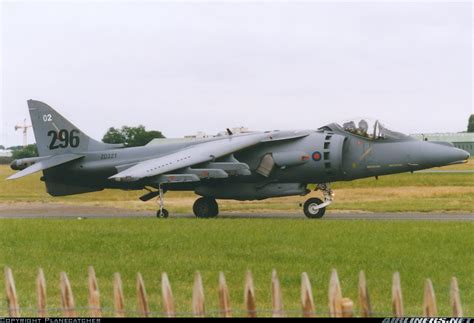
{"points": [[198, 134], [5, 153], [462, 140]]}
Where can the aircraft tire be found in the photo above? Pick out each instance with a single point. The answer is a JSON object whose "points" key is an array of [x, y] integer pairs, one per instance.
{"points": [[205, 207], [163, 215], [310, 211]]}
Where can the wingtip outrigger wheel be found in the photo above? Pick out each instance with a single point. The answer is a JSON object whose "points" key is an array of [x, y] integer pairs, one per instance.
{"points": [[162, 213], [315, 208]]}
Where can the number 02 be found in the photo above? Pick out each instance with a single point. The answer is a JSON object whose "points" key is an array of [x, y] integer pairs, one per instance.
{"points": [[47, 118]]}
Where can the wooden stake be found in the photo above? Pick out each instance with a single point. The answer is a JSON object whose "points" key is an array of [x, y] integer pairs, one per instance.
{"points": [[307, 302], [94, 295], [41, 292], [249, 295], [224, 298], [364, 300], [67, 299], [397, 300], [12, 300], [143, 309], [347, 306], [118, 296], [167, 295], [198, 296], [335, 295], [455, 299], [277, 301], [429, 300]]}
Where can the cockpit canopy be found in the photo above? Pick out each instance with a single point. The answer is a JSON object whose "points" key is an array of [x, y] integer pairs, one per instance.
{"points": [[368, 128]]}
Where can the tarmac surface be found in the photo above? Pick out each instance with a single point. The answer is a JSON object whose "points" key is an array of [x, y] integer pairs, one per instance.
{"points": [[447, 171], [43, 210]]}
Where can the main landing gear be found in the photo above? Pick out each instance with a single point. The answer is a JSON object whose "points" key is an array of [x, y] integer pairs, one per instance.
{"points": [[314, 208], [205, 207]]}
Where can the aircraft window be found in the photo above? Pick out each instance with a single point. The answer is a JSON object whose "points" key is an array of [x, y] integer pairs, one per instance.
{"points": [[386, 133]]}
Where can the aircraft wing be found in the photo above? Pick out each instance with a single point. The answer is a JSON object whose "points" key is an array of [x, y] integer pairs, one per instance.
{"points": [[196, 154], [45, 164]]}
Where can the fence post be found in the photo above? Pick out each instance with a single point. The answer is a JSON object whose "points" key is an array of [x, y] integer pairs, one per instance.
{"points": [[224, 298], [347, 307], [41, 292], [94, 295], [397, 300], [455, 299], [13, 307], [307, 302], [118, 296], [364, 300], [277, 300], [143, 310], [198, 296], [249, 295], [167, 295], [67, 298], [429, 300], [335, 295]]}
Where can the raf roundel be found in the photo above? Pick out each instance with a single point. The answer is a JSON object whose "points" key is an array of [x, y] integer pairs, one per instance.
{"points": [[316, 156]]}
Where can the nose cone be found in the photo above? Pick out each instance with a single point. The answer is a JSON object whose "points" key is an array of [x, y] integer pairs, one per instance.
{"points": [[437, 154], [464, 154]]}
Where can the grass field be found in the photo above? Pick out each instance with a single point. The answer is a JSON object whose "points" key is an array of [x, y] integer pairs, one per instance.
{"points": [[422, 192], [419, 250]]}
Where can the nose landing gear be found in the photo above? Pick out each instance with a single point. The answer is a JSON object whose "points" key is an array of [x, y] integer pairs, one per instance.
{"points": [[314, 208]]}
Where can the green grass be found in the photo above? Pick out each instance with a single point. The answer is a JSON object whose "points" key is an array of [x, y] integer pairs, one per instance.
{"points": [[419, 250]]}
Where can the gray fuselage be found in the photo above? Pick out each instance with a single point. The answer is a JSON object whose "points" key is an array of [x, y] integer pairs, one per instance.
{"points": [[326, 155]]}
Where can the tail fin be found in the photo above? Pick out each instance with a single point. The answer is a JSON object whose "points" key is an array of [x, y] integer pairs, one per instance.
{"points": [[55, 135]]}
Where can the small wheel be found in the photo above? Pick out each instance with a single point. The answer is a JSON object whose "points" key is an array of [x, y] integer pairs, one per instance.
{"points": [[164, 215], [310, 208], [205, 207]]}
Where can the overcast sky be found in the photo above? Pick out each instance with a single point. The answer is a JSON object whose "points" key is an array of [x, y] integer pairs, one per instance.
{"points": [[184, 67]]}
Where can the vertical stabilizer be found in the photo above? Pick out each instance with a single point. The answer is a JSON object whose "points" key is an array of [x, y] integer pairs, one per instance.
{"points": [[55, 135]]}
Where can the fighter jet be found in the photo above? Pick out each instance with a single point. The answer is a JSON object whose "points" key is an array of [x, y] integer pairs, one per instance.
{"points": [[240, 166]]}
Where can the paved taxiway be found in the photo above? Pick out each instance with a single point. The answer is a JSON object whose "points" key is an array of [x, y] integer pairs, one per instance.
{"points": [[40, 210]]}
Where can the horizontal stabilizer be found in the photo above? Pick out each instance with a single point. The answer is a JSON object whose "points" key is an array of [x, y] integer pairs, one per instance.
{"points": [[45, 164]]}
